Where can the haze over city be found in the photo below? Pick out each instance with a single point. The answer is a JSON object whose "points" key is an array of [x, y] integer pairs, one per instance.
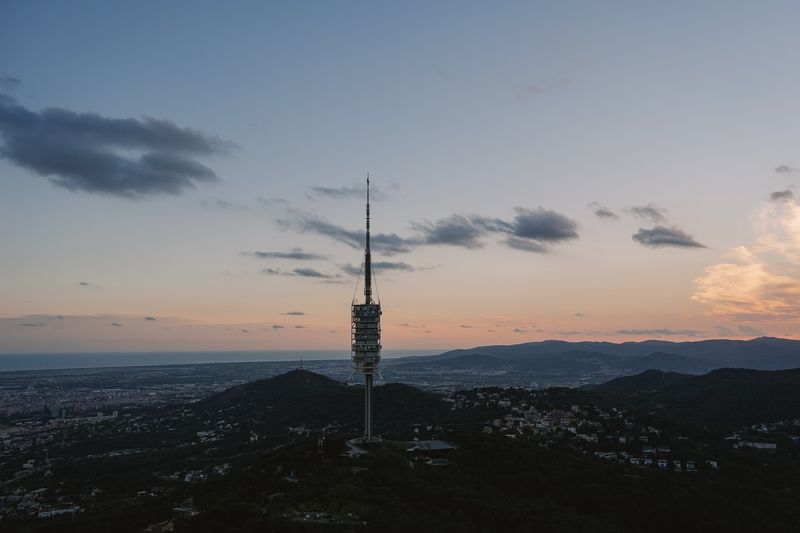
{"points": [[186, 177]]}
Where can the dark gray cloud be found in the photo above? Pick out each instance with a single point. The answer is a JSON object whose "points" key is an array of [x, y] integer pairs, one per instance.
{"points": [[116, 324], [661, 332], [294, 313], [301, 272], [466, 326], [784, 169], [530, 230], [271, 201], [662, 237], [87, 284], [543, 225], [386, 243], [310, 273], [779, 196], [299, 326], [276, 327], [520, 330], [9, 83], [32, 324], [345, 191], [650, 212], [150, 318], [350, 191], [526, 246], [580, 315], [297, 254], [119, 157], [378, 266], [244, 330], [455, 230], [603, 212], [339, 192]]}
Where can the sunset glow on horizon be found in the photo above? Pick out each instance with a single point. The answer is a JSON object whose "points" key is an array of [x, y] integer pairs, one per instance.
{"points": [[614, 174]]}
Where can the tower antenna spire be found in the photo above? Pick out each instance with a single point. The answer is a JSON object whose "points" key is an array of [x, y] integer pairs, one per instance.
{"points": [[367, 258]]}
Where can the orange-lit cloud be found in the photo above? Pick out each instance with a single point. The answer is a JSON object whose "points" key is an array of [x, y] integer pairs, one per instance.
{"points": [[761, 280]]}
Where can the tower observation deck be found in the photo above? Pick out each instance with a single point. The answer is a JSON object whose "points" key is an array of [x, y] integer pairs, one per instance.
{"points": [[366, 334]]}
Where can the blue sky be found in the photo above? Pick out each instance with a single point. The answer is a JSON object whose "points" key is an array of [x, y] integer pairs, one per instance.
{"points": [[471, 109]]}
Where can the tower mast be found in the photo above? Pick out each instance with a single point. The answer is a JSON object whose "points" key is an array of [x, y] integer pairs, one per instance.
{"points": [[367, 259], [366, 332]]}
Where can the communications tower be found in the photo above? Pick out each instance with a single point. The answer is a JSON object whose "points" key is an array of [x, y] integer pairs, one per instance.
{"points": [[366, 334]]}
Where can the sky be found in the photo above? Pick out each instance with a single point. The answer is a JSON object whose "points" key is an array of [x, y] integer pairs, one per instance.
{"points": [[190, 175]]}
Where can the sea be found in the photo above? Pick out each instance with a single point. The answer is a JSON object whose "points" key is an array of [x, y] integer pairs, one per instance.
{"points": [[45, 361]]}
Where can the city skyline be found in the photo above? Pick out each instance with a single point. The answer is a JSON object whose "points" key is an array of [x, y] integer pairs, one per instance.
{"points": [[540, 172]]}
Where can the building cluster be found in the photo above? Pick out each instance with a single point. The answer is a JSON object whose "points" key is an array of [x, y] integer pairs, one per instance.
{"points": [[767, 437], [57, 402], [35, 503], [605, 433]]}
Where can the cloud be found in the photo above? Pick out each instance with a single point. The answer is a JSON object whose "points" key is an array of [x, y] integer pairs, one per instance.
{"points": [[300, 272], [271, 201], [87, 152], [299, 326], [217, 203], [32, 324], [276, 327], [784, 169], [779, 196], [520, 330], [465, 326], [297, 254], [603, 212], [760, 280], [579, 315], [531, 230], [294, 313], [244, 330], [353, 191], [543, 225], [660, 332], [150, 318], [650, 212], [9, 83], [116, 324], [662, 237], [526, 246], [386, 243], [379, 266], [455, 230], [87, 284]]}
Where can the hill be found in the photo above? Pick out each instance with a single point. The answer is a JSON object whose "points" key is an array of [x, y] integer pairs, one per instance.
{"points": [[301, 397], [763, 353], [722, 398]]}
